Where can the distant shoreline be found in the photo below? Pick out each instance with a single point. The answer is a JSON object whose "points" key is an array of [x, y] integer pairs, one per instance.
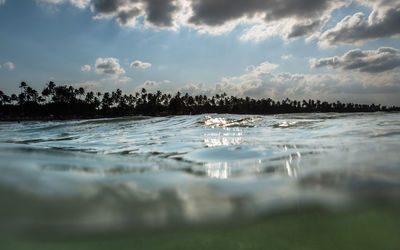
{"points": [[68, 103]]}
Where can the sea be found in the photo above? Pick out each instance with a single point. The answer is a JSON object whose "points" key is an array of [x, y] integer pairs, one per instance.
{"points": [[211, 181]]}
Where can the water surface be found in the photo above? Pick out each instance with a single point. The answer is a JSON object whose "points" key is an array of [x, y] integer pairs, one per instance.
{"points": [[139, 174]]}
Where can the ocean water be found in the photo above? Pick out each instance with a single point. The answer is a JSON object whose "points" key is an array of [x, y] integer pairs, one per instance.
{"points": [[215, 179]]}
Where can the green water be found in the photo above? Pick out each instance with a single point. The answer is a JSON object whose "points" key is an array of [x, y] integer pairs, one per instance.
{"points": [[374, 228]]}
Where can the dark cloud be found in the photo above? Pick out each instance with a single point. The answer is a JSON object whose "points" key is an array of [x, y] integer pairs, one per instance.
{"points": [[298, 30], [158, 12], [371, 61], [307, 15], [218, 12], [108, 6], [357, 28], [125, 16], [287, 18]]}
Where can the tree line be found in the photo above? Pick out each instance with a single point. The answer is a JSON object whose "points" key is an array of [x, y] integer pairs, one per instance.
{"points": [[67, 102]]}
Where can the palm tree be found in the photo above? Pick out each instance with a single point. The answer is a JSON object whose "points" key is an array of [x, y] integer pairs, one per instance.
{"points": [[4, 98], [23, 86], [89, 97], [79, 92], [14, 98]]}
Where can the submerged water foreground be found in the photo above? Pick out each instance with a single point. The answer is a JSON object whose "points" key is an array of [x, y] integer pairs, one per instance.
{"points": [[206, 181]]}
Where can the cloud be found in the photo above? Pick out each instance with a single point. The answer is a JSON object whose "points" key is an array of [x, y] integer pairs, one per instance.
{"points": [[140, 65], [264, 83], [2, 2], [216, 13], [289, 19], [159, 13], [126, 17], [88, 85], [265, 18], [124, 80], [302, 29], [286, 57], [370, 61], [290, 28], [299, 18], [86, 68], [197, 89], [9, 65], [81, 4], [50, 1], [108, 66], [382, 22], [209, 15], [260, 32], [152, 86]]}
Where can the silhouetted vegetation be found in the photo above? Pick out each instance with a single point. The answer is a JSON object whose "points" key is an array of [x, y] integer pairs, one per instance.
{"points": [[67, 102]]}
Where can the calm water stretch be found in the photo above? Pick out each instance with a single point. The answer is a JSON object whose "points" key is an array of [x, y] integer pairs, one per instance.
{"points": [[280, 181]]}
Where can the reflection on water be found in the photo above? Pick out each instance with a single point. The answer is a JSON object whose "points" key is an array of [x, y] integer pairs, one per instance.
{"points": [[115, 174], [224, 139], [226, 122], [293, 163], [219, 170]]}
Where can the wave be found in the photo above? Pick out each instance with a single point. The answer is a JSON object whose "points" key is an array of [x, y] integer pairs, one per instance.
{"points": [[153, 172], [225, 122]]}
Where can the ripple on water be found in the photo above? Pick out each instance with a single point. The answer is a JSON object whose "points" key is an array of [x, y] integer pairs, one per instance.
{"points": [[226, 122], [148, 172]]}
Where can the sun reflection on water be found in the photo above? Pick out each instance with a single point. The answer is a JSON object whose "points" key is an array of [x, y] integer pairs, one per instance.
{"points": [[218, 170], [292, 164], [218, 140]]}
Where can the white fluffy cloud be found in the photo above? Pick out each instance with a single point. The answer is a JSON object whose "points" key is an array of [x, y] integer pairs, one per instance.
{"points": [[371, 61], [86, 68], [9, 65], [108, 66], [140, 65], [383, 21]]}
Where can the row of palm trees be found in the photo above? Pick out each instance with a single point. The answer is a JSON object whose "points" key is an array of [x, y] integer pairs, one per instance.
{"points": [[66, 102]]}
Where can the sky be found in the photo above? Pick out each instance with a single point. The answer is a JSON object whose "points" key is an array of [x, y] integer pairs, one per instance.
{"points": [[298, 49]]}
